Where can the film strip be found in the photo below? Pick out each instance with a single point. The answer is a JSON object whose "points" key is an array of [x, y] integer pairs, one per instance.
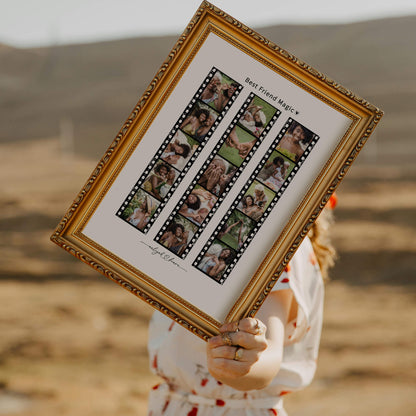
{"points": [[216, 177], [179, 150], [256, 200]]}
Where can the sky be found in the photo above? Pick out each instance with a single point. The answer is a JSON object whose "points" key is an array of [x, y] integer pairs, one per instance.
{"points": [[29, 23]]}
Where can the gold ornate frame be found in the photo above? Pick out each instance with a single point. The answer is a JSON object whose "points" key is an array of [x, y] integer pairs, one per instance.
{"points": [[361, 119]]}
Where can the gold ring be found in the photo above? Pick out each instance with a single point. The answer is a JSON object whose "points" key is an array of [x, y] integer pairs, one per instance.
{"points": [[227, 338], [238, 354], [259, 329]]}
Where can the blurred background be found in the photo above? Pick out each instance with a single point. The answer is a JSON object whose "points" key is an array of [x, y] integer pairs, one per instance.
{"points": [[74, 343]]}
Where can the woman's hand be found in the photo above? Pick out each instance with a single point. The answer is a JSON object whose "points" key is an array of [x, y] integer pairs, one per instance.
{"points": [[237, 349], [247, 355]]}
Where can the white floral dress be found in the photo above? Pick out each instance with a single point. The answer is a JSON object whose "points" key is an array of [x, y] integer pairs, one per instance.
{"points": [[179, 357]]}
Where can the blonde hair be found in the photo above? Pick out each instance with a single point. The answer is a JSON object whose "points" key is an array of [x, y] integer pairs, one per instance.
{"points": [[321, 243]]}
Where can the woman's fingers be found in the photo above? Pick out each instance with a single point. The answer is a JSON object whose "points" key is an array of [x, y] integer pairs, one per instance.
{"points": [[234, 354], [251, 325], [240, 338]]}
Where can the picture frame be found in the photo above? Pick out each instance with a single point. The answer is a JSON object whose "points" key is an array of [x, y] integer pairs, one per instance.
{"points": [[217, 175]]}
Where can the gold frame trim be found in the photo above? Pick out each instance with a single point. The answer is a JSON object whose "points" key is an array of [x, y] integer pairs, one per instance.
{"points": [[209, 19]]}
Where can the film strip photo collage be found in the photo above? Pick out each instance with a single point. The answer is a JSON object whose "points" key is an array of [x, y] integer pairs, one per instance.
{"points": [[216, 177], [179, 150], [255, 201]]}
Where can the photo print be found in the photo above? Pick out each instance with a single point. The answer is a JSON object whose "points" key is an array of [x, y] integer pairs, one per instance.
{"points": [[236, 230], [257, 116], [216, 260], [183, 144], [217, 176], [129, 202], [219, 91], [295, 141], [199, 122], [179, 150], [177, 235], [276, 170], [198, 204], [237, 146], [259, 195], [140, 209], [256, 200], [160, 180]]}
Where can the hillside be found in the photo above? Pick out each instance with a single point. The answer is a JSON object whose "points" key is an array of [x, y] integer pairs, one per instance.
{"points": [[74, 343], [95, 86]]}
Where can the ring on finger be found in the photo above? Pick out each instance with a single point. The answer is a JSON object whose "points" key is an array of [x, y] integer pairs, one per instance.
{"points": [[238, 355], [259, 328], [226, 338]]}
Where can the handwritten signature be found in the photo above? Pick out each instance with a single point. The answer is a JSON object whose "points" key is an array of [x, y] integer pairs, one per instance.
{"points": [[155, 251]]}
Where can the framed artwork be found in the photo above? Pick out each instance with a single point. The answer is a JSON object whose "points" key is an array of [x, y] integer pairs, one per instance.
{"points": [[217, 175]]}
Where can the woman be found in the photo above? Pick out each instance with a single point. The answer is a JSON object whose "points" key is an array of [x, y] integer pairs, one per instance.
{"points": [[176, 152], [141, 215], [270, 168], [227, 91], [254, 119], [202, 131], [191, 123], [190, 207], [216, 265], [260, 197], [242, 148], [210, 94], [157, 180], [250, 208], [217, 176], [295, 140], [255, 362], [175, 238], [170, 179]]}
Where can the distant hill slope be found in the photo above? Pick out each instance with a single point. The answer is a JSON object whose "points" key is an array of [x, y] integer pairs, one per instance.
{"points": [[97, 85]]}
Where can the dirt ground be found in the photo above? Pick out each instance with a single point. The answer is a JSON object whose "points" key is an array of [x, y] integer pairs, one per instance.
{"points": [[73, 343]]}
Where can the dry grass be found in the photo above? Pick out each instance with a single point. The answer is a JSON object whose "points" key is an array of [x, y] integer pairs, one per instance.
{"points": [[74, 343]]}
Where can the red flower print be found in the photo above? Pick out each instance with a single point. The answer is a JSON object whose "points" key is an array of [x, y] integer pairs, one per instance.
{"points": [[219, 383], [287, 268], [273, 412], [171, 326], [193, 412], [154, 363], [282, 393], [220, 402], [294, 324], [204, 381], [155, 387], [165, 406], [285, 280]]}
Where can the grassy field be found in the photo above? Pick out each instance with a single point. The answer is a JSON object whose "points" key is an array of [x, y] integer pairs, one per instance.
{"points": [[74, 343]]}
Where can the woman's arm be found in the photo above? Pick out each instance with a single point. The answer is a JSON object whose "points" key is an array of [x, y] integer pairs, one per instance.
{"points": [[261, 350]]}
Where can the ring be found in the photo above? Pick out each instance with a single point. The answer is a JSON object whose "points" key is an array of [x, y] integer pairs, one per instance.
{"points": [[227, 338], [238, 354], [259, 330]]}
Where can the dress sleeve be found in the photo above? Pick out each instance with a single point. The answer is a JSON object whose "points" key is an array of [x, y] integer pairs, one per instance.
{"points": [[303, 277]]}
